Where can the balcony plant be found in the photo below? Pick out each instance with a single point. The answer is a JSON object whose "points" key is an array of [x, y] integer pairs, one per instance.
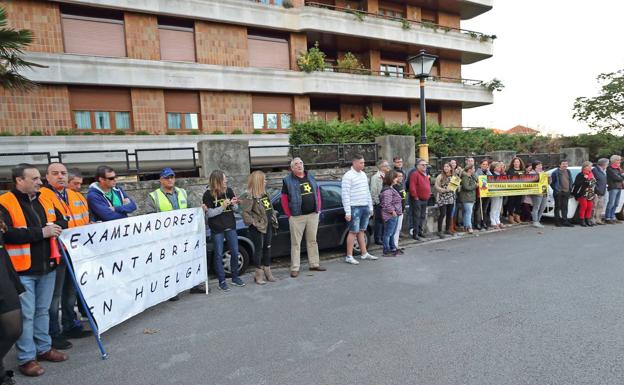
{"points": [[312, 59], [287, 4], [494, 85], [349, 63], [406, 24]]}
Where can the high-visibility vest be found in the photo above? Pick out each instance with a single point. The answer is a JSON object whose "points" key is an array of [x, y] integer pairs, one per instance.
{"points": [[20, 254], [76, 212], [162, 202]]}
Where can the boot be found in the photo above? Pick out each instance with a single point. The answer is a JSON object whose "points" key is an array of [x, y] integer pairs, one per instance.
{"points": [[511, 219], [268, 274], [452, 229], [259, 277], [517, 218]]}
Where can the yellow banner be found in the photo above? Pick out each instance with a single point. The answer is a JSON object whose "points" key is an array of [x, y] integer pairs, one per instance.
{"points": [[503, 186]]}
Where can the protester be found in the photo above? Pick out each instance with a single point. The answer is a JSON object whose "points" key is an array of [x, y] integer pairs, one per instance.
{"points": [[74, 180], [392, 211], [221, 202], [514, 203], [168, 197], [468, 195], [400, 187], [561, 184], [538, 200], [358, 205], [600, 189], [445, 199], [583, 191], [10, 308], [496, 203], [397, 163], [31, 220], [73, 206], [615, 180], [376, 184], [106, 201], [301, 202], [457, 171], [420, 192], [258, 214], [481, 213]]}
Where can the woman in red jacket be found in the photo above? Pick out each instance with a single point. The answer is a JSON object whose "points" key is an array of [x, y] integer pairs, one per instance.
{"points": [[583, 191]]}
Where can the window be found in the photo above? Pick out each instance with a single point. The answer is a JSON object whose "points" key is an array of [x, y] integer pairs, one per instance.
{"points": [[271, 121], [391, 13], [285, 121], [272, 112], [394, 70], [101, 108], [182, 109], [93, 31], [177, 39], [82, 119], [331, 197], [258, 121], [122, 120], [268, 50]]}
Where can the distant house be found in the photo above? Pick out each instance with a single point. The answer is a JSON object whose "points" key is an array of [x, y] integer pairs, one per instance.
{"points": [[522, 130]]}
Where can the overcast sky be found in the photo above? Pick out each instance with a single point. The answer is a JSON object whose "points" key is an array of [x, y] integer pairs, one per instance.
{"points": [[547, 54]]}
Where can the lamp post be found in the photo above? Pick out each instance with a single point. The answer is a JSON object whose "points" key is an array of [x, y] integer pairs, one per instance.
{"points": [[421, 65]]}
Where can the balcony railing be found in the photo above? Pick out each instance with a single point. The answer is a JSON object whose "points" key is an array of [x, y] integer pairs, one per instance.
{"points": [[398, 75], [405, 23]]}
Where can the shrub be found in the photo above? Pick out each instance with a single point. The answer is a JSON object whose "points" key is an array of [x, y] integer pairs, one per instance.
{"points": [[257, 132], [65, 132], [194, 132], [142, 132], [237, 132], [171, 132], [5, 133], [311, 60], [119, 132], [287, 4], [88, 133], [36, 133], [217, 132], [349, 64]]}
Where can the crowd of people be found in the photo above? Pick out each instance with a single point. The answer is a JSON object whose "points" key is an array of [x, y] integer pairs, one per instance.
{"points": [[35, 287]]}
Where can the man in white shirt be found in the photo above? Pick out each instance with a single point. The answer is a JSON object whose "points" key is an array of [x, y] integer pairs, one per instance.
{"points": [[358, 206]]}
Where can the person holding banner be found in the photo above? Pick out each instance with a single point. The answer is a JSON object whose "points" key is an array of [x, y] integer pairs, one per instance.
{"points": [[514, 203], [481, 213], [73, 206], [445, 199], [74, 179], [106, 201], [221, 203], [30, 240], [538, 200], [496, 203], [583, 191], [258, 214], [10, 307], [468, 195], [561, 184]]}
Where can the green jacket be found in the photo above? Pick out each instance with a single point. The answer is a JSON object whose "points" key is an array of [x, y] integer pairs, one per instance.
{"points": [[468, 192]]}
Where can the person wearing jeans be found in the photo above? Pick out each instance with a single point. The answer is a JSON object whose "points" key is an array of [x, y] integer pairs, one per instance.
{"points": [[468, 195], [539, 200], [391, 210], [600, 174], [376, 184], [615, 181], [220, 202], [561, 184], [400, 187]]}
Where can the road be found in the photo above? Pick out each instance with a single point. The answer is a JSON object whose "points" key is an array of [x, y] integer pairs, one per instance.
{"points": [[522, 306]]}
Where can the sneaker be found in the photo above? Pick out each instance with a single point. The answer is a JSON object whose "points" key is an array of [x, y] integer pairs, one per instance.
{"points": [[389, 254], [538, 225], [223, 286], [369, 256], [238, 282], [61, 343], [351, 260]]}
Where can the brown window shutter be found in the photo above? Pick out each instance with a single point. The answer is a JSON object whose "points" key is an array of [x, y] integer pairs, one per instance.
{"points": [[394, 116], [90, 36], [272, 104], [99, 99], [182, 101], [177, 44], [268, 52]]}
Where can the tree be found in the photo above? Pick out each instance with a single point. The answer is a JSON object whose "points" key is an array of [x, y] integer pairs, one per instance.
{"points": [[605, 112], [11, 44]]}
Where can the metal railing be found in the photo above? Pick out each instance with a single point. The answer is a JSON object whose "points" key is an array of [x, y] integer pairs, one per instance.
{"points": [[313, 155], [397, 75], [406, 23]]}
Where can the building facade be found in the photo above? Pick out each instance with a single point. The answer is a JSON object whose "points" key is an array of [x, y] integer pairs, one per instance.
{"points": [[160, 66]]}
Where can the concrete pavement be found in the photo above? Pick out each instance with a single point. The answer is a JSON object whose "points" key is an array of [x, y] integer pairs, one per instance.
{"points": [[524, 306]]}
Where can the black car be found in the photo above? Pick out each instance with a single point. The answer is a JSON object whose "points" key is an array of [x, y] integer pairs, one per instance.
{"points": [[332, 229]]}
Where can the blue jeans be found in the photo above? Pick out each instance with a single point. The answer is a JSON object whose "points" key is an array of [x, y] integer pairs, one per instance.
{"points": [[390, 227], [65, 296], [35, 316], [359, 219], [614, 200], [467, 217], [217, 254]]}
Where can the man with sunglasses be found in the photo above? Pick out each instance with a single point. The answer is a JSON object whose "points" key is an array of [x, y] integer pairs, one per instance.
{"points": [[106, 201]]}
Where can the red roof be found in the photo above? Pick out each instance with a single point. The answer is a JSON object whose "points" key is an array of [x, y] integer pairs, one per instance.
{"points": [[522, 130]]}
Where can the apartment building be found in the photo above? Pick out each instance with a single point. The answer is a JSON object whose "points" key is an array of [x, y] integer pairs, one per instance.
{"points": [[187, 66]]}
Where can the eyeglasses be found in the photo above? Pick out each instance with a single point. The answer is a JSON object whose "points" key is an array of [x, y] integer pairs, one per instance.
{"points": [[169, 177], [111, 177]]}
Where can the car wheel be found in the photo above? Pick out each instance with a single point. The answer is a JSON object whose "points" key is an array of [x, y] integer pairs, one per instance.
{"points": [[243, 260], [620, 215], [356, 245]]}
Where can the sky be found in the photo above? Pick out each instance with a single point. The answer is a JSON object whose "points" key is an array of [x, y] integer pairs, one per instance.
{"points": [[548, 53]]}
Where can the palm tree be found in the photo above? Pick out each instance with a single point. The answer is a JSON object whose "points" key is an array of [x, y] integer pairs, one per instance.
{"points": [[11, 44]]}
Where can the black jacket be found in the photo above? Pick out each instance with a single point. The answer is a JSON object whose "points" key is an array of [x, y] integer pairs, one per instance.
{"points": [[35, 221], [614, 178], [583, 187]]}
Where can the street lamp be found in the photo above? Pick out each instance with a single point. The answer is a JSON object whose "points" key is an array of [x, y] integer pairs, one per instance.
{"points": [[421, 65]]}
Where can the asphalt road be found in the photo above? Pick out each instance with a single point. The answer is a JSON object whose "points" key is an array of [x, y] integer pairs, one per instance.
{"points": [[523, 306]]}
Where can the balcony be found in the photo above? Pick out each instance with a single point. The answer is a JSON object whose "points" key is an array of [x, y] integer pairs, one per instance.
{"points": [[468, 46], [122, 72]]}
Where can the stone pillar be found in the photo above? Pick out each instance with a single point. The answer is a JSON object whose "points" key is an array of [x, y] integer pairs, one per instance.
{"points": [[230, 156], [398, 145], [575, 155], [502, 156]]}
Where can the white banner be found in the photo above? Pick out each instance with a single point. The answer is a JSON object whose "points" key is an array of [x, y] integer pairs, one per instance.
{"points": [[127, 265]]}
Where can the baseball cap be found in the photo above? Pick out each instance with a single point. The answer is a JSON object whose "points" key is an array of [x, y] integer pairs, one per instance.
{"points": [[167, 172]]}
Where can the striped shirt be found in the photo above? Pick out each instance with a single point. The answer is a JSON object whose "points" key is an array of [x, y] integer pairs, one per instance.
{"points": [[355, 191]]}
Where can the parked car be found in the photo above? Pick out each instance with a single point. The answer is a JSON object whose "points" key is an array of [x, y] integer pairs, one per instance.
{"points": [[549, 210], [332, 229]]}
